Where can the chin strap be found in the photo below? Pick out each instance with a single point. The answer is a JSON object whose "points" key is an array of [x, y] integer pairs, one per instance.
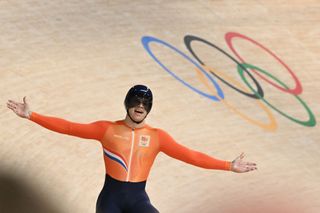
{"points": [[137, 122]]}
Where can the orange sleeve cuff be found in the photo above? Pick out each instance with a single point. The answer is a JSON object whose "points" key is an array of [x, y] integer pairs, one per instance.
{"points": [[228, 165], [32, 116]]}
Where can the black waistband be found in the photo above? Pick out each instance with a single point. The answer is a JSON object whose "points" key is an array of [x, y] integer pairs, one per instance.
{"points": [[112, 183]]}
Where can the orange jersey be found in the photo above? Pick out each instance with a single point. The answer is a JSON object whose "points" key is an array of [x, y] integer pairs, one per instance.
{"points": [[129, 153]]}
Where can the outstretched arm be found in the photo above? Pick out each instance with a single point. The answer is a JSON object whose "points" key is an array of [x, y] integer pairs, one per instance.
{"points": [[170, 147], [94, 130]]}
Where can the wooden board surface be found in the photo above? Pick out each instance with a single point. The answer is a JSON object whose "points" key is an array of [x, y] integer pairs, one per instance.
{"points": [[77, 59]]}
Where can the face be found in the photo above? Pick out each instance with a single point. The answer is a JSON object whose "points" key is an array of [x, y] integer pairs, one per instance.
{"points": [[138, 112]]}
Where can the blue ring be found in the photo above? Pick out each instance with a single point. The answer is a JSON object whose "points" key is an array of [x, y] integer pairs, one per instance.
{"points": [[147, 39]]}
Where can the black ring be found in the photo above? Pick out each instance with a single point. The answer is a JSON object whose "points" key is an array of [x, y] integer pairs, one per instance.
{"points": [[189, 38]]}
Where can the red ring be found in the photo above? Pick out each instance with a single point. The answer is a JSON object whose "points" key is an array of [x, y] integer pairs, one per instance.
{"points": [[296, 91]]}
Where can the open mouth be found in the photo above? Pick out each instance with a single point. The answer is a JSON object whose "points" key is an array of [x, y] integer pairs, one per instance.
{"points": [[138, 111]]}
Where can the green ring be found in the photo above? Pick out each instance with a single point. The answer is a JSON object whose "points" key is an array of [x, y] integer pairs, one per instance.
{"points": [[311, 122]]}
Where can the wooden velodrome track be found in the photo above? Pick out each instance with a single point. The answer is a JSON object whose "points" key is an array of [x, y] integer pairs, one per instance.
{"points": [[77, 59]]}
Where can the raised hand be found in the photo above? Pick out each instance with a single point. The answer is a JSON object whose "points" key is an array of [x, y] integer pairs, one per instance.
{"points": [[240, 166], [21, 109]]}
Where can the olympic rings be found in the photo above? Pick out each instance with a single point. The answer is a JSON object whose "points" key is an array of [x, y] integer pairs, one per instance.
{"points": [[258, 94]]}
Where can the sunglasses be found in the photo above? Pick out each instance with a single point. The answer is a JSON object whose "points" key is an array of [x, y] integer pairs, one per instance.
{"points": [[135, 101]]}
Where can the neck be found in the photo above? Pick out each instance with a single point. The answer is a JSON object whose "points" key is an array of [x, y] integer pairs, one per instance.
{"points": [[132, 124]]}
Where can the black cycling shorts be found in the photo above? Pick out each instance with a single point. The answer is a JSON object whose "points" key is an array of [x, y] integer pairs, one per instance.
{"points": [[124, 197]]}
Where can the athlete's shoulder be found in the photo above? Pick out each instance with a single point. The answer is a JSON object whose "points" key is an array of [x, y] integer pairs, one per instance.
{"points": [[147, 126], [103, 123], [160, 132], [151, 128], [118, 123]]}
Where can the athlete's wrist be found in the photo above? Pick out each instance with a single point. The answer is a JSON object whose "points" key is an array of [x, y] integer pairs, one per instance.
{"points": [[232, 166], [28, 115]]}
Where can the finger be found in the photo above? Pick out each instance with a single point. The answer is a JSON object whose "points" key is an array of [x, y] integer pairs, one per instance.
{"points": [[11, 105], [25, 100], [244, 168], [250, 164], [13, 102], [13, 109], [242, 155], [252, 168]]}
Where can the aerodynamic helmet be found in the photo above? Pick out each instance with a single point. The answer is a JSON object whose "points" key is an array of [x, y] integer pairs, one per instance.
{"points": [[139, 94]]}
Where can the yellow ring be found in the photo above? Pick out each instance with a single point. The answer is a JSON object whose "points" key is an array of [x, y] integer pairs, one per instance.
{"points": [[271, 126]]}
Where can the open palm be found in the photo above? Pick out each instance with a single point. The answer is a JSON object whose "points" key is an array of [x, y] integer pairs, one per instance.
{"points": [[240, 166], [21, 109]]}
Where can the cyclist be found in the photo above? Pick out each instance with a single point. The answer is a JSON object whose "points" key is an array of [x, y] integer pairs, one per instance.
{"points": [[129, 149]]}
